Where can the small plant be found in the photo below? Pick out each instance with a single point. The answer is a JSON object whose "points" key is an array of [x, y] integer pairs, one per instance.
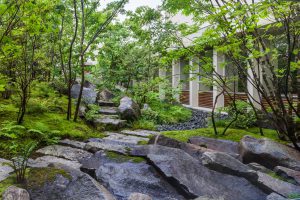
{"points": [[93, 112], [21, 154]]}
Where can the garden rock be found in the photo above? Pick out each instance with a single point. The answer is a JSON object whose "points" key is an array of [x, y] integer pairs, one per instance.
{"points": [[287, 173], [269, 153], [258, 167], [127, 140], [193, 150], [140, 133], [70, 185], [64, 152], [194, 179], [129, 110], [225, 163], [72, 143], [108, 123], [275, 196], [124, 177], [96, 146], [88, 94], [139, 196], [82, 111], [225, 146], [5, 169], [105, 96], [108, 111], [45, 161], [283, 188], [15, 193]]}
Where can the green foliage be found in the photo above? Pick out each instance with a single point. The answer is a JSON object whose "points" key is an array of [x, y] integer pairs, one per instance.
{"points": [[93, 112], [143, 124], [20, 156], [243, 112], [231, 134]]}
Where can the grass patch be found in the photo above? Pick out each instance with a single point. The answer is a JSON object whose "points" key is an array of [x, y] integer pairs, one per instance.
{"points": [[143, 124], [231, 134], [123, 158]]}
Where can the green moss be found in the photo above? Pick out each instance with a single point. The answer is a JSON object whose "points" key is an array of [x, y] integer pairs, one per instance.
{"points": [[123, 158], [143, 124], [143, 142], [37, 177], [231, 134]]}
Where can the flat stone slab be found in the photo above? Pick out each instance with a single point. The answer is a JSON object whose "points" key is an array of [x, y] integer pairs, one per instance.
{"points": [[288, 173], [5, 170], [64, 152], [278, 186], [124, 177], [226, 146], [124, 139], [106, 103], [140, 133], [96, 146], [45, 161], [72, 143], [109, 123], [196, 180], [108, 111]]}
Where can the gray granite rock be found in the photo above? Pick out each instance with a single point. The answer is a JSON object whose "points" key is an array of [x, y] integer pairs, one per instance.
{"points": [[108, 123], [287, 173], [140, 133], [225, 146], [124, 177], [45, 161], [72, 143], [15, 193], [194, 179], [224, 163], [278, 186], [64, 152], [5, 169], [124, 139], [129, 110], [96, 146], [73, 185], [108, 111], [139, 196], [275, 196], [269, 153]]}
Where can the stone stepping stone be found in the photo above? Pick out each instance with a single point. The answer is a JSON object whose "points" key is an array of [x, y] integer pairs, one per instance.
{"points": [[108, 111], [124, 139], [5, 170], [64, 152], [140, 133], [97, 146], [44, 161], [72, 143], [109, 124]]}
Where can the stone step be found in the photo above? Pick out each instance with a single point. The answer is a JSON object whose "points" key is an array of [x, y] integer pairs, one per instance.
{"points": [[122, 139], [66, 152], [103, 145], [107, 103], [108, 111], [109, 124], [140, 133], [72, 143]]}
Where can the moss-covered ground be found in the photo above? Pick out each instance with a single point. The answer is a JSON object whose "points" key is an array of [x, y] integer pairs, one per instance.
{"points": [[231, 134]]}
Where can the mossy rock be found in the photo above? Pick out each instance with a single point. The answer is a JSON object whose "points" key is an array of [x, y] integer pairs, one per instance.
{"points": [[37, 177]]}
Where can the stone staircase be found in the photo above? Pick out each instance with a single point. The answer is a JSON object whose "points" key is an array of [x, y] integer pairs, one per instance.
{"points": [[109, 117]]}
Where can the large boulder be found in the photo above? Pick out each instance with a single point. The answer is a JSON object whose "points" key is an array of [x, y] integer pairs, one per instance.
{"points": [[194, 180], [124, 177], [139, 196], [88, 94], [269, 153], [104, 96], [129, 110], [226, 146], [61, 182], [15, 193]]}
